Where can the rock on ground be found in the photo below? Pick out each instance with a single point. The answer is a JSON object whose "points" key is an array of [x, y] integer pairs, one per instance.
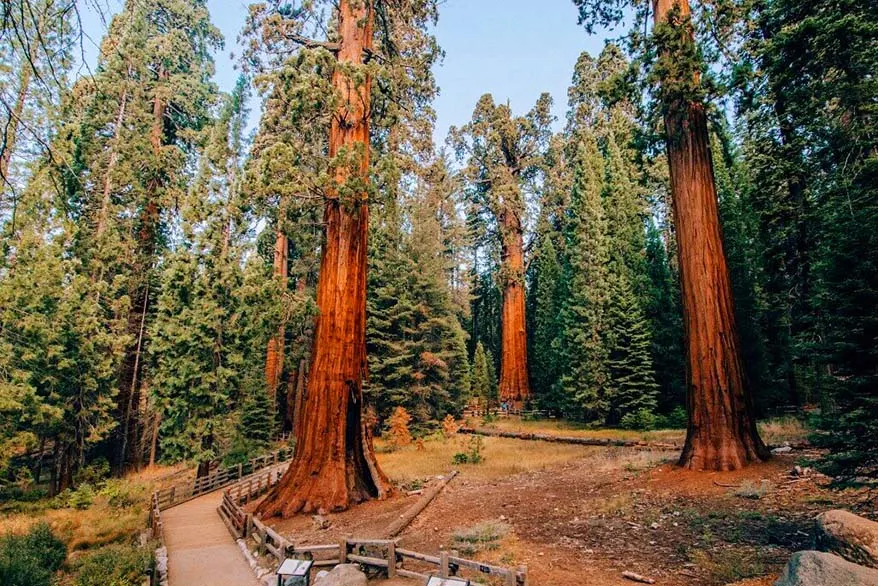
{"points": [[850, 536], [345, 575], [817, 568]]}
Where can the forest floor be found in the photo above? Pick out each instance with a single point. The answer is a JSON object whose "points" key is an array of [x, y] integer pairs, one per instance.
{"points": [[580, 515]]}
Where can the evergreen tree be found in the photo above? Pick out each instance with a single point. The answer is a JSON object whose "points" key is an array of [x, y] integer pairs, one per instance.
{"points": [[36, 41], [584, 348], [546, 288], [664, 313], [212, 316], [60, 353], [484, 377], [502, 153], [629, 362], [416, 345]]}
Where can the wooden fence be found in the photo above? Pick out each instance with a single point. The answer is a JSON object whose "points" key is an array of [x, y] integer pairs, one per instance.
{"points": [[383, 554], [180, 493]]}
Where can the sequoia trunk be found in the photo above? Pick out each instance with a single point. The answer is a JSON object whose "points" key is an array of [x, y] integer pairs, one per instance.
{"points": [[274, 361], [334, 464], [722, 432], [514, 387]]}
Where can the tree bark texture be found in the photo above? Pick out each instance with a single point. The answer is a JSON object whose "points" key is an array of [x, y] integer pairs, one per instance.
{"points": [[274, 360], [514, 385], [722, 432], [334, 464]]}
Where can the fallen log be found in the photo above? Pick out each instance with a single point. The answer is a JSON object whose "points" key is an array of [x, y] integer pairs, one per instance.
{"points": [[406, 518], [637, 578], [566, 439]]}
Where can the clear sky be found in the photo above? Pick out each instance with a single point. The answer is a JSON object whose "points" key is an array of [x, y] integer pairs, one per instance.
{"points": [[514, 49]]}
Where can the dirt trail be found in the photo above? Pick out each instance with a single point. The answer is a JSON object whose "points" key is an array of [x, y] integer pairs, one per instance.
{"points": [[201, 552]]}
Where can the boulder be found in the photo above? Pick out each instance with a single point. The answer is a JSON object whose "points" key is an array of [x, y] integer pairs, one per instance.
{"points": [[344, 575], [850, 536], [817, 568]]}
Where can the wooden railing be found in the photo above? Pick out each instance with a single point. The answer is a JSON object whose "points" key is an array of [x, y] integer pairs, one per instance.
{"points": [[257, 468], [180, 493], [375, 553]]}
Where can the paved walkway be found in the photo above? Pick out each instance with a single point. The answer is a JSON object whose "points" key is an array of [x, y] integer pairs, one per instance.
{"points": [[201, 551]]}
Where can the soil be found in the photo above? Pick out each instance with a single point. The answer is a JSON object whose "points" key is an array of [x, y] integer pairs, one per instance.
{"points": [[584, 522]]}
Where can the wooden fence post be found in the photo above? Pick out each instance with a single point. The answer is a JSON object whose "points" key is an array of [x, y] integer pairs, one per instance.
{"points": [[343, 551], [523, 570], [391, 560], [240, 470], [443, 565], [173, 494]]}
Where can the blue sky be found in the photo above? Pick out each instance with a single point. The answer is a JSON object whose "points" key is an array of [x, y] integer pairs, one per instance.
{"points": [[514, 49]]}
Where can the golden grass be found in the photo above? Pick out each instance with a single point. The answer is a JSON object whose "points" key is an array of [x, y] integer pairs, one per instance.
{"points": [[502, 457], [118, 513], [774, 431], [562, 427], [783, 429]]}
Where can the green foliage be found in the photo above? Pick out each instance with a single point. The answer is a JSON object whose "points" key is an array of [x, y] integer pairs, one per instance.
{"points": [[114, 565], [642, 419], [584, 350], [31, 559], [415, 342], [484, 377], [473, 453]]}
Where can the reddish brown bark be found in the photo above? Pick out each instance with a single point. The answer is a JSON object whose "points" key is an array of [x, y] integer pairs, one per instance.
{"points": [[334, 464], [274, 360], [514, 385], [722, 432]]}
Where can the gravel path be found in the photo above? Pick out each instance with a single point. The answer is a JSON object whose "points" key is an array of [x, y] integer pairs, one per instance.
{"points": [[201, 552]]}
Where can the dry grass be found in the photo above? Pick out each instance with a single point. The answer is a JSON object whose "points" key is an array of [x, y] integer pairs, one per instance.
{"points": [[117, 513], [502, 457], [774, 431], [783, 429], [562, 427]]}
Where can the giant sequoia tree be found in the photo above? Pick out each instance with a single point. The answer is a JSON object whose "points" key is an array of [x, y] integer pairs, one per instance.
{"points": [[722, 431], [502, 153], [335, 464]]}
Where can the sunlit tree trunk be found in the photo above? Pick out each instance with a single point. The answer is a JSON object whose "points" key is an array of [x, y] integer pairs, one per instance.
{"points": [[274, 361], [722, 432], [334, 464], [514, 385]]}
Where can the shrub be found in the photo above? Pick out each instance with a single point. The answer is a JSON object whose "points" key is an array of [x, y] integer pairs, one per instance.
{"points": [[31, 559], [449, 426], [399, 434], [81, 498], [473, 454], [123, 495], [481, 537], [643, 419], [115, 565], [676, 419]]}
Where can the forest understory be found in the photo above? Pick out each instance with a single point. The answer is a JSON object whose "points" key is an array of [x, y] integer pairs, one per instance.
{"points": [[580, 516]]}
